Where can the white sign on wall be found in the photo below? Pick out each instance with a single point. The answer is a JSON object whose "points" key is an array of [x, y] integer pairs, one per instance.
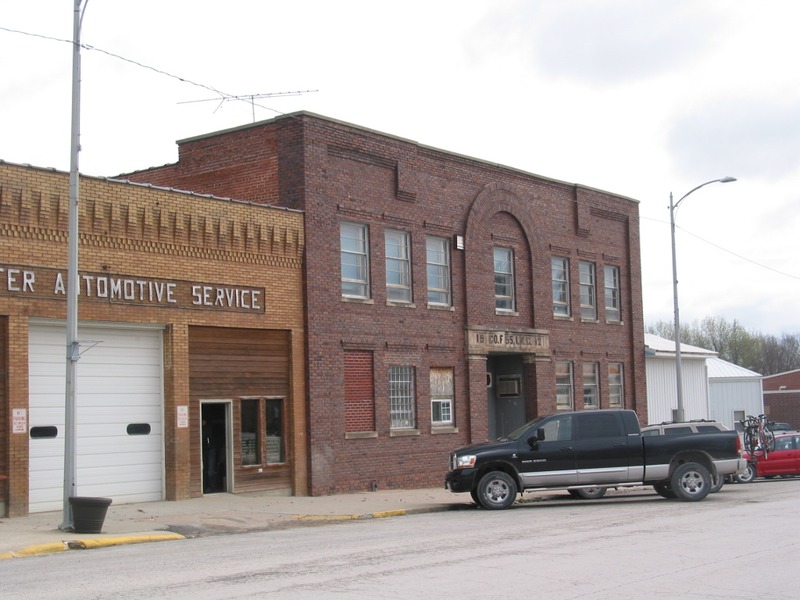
{"points": [[19, 420], [183, 417]]}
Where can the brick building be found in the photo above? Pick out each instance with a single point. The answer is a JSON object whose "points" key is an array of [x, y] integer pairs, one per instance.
{"points": [[782, 397], [448, 299], [190, 311]]}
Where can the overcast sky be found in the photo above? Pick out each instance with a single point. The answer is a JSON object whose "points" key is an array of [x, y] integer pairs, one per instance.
{"points": [[636, 97]]}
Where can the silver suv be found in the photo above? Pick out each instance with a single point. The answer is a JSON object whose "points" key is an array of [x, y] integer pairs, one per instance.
{"points": [[687, 427]]}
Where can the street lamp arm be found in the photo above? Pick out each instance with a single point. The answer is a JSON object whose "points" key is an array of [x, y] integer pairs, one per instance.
{"points": [[720, 180]]}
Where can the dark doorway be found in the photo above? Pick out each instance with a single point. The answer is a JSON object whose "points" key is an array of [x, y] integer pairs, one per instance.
{"points": [[506, 394], [215, 446]]}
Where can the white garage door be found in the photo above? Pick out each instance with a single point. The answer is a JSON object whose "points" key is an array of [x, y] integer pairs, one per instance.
{"points": [[119, 423]]}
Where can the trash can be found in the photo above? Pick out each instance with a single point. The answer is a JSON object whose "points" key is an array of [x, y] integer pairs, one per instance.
{"points": [[88, 513]]}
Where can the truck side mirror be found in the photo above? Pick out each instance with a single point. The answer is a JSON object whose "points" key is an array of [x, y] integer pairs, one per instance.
{"points": [[533, 441]]}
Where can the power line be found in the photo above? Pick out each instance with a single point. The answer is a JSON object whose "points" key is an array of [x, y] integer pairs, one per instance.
{"points": [[222, 97], [731, 252]]}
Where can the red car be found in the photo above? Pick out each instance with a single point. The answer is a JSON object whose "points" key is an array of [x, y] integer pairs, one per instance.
{"points": [[783, 460]]}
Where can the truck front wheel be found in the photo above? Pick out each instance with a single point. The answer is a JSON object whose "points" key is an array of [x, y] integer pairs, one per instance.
{"points": [[690, 482], [496, 490]]}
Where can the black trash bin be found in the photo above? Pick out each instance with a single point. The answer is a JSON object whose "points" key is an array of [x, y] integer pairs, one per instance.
{"points": [[88, 513]]}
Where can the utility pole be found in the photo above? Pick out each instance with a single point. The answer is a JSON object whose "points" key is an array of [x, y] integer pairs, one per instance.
{"points": [[73, 346]]}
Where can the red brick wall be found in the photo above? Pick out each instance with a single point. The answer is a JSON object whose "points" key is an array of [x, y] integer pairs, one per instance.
{"points": [[337, 172], [783, 407], [782, 397]]}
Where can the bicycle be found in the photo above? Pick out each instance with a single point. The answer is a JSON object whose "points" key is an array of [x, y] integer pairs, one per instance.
{"points": [[757, 435]]}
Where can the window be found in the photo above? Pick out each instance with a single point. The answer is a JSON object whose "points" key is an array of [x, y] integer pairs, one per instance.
{"points": [[611, 284], [738, 417], [355, 260], [558, 429], [564, 385], [616, 394], [591, 395], [560, 270], [442, 396], [276, 448], [401, 397], [264, 414], [438, 259], [398, 266], [598, 425], [504, 279], [587, 285], [251, 448]]}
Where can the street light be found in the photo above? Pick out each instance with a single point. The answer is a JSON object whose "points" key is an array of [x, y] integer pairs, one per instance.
{"points": [[680, 416]]}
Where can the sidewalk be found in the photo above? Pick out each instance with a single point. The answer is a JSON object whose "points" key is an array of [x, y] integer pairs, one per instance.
{"points": [[215, 514]]}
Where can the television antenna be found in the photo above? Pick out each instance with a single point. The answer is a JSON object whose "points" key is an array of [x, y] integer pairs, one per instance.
{"points": [[249, 98]]}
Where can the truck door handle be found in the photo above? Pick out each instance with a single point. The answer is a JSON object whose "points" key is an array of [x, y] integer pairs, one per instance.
{"points": [[569, 449]]}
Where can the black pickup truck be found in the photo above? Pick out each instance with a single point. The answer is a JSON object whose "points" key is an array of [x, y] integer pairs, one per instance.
{"points": [[586, 452]]}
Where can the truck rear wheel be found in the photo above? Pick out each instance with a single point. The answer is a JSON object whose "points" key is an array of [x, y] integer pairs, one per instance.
{"points": [[496, 490], [690, 482]]}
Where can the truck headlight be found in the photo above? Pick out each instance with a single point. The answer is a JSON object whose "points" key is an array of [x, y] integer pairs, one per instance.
{"points": [[466, 461]]}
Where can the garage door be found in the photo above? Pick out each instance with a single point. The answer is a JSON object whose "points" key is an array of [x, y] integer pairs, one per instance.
{"points": [[119, 422]]}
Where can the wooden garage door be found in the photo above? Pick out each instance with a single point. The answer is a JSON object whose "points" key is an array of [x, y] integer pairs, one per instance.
{"points": [[119, 400]]}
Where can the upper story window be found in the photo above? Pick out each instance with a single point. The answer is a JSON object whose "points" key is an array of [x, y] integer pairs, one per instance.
{"points": [[354, 239], [564, 393], [611, 284], [504, 279], [588, 290], [560, 270], [438, 261], [398, 266]]}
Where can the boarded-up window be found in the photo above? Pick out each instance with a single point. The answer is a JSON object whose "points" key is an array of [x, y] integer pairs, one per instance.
{"points": [[359, 394], [442, 396]]}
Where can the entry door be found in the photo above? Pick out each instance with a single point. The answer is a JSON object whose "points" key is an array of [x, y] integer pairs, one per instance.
{"points": [[506, 396], [216, 447]]}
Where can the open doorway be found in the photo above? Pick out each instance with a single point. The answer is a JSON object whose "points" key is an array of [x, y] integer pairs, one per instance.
{"points": [[215, 447]]}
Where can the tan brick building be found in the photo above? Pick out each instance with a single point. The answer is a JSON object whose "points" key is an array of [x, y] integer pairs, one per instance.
{"points": [[190, 311], [449, 299]]}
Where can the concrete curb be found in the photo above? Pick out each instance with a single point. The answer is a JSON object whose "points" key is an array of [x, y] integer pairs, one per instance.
{"points": [[88, 544], [355, 517], [103, 542]]}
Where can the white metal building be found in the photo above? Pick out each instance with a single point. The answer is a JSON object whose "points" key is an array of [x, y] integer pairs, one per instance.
{"points": [[661, 380], [734, 392]]}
